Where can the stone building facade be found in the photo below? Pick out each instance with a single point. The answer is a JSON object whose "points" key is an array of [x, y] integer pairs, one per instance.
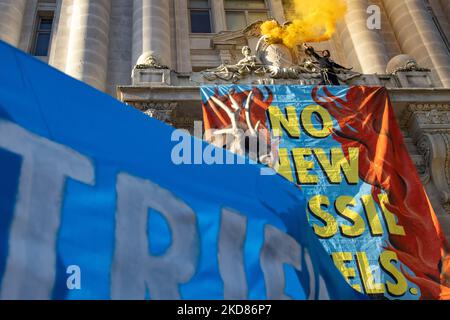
{"points": [[151, 54]]}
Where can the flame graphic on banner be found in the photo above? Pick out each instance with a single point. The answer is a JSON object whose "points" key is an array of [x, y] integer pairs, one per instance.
{"points": [[259, 106], [385, 164]]}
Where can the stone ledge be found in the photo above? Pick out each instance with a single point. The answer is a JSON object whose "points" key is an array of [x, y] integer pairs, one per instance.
{"points": [[192, 93]]}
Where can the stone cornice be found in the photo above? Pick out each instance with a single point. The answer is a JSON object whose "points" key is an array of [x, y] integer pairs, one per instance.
{"points": [[158, 93], [192, 93], [420, 95]]}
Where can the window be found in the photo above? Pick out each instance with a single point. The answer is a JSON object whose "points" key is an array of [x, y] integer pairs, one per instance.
{"points": [[241, 13], [43, 34], [200, 15]]}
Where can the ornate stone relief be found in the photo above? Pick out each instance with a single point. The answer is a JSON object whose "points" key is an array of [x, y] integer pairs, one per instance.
{"points": [[149, 61], [161, 111], [434, 117], [426, 115], [429, 125], [271, 61], [410, 66]]}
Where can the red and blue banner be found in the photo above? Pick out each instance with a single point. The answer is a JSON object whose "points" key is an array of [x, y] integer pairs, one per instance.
{"points": [[365, 201]]}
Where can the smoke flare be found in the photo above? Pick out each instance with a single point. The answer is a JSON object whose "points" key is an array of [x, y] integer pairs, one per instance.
{"points": [[312, 21]]}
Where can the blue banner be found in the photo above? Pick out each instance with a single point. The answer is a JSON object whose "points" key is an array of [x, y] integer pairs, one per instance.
{"points": [[92, 206]]}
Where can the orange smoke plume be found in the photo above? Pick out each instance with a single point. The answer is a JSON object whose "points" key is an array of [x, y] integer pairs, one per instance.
{"points": [[312, 21]]}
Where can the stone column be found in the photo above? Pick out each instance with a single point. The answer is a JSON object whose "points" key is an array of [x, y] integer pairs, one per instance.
{"points": [[362, 43], [87, 56], [60, 39], [418, 36], [218, 16], [182, 36], [11, 19], [446, 7], [151, 30], [277, 11]]}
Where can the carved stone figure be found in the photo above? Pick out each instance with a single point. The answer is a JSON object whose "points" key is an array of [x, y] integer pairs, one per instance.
{"points": [[274, 60], [244, 67], [274, 54], [279, 60]]}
